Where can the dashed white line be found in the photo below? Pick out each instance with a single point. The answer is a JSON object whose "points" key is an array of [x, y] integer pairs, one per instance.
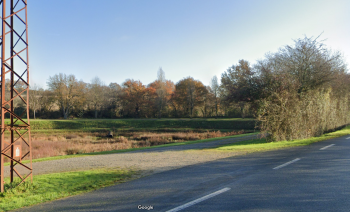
{"points": [[286, 164], [323, 148], [181, 207]]}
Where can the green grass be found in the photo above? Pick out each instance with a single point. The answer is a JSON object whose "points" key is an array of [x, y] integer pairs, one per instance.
{"points": [[141, 124], [258, 145], [123, 130], [132, 149], [59, 185]]}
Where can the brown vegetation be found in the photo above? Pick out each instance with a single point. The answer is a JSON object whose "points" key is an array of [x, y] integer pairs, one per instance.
{"points": [[79, 143], [306, 89], [288, 117]]}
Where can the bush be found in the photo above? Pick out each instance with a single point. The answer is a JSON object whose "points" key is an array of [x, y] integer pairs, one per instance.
{"points": [[289, 115]]}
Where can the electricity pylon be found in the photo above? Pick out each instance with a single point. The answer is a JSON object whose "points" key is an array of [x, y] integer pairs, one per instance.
{"points": [[15, 140]]}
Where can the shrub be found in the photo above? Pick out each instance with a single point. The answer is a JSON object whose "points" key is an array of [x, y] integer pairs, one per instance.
{"points": [[289, 115]]}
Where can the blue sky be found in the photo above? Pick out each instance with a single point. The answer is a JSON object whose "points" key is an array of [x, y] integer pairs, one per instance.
{"points": [[130, 39]]}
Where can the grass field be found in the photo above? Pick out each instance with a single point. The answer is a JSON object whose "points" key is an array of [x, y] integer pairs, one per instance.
{"points": [[92, 125], [59, 185]]}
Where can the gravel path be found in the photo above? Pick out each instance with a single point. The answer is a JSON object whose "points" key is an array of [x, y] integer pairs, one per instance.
{"points": [[149, 161]]}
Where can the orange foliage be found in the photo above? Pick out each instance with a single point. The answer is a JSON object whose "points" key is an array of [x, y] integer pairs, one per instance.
{"points": [[189, 94], [134, 98]]}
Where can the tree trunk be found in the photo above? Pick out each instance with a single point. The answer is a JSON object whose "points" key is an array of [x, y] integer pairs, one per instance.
{"points": [[160, 110], [65, 113]]}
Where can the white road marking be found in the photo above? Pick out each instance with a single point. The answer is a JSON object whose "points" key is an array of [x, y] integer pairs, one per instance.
{"points": [[348, 138], [323, 148], [286, 164], [181, 207]]}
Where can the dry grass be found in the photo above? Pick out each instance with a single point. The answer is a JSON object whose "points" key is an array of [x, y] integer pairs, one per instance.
{"points": [[165, 138], [79, 143]]}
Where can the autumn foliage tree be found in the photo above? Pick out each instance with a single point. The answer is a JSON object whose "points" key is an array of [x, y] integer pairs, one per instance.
{"points": [[189, 94], [133, 97], [161, 89]]}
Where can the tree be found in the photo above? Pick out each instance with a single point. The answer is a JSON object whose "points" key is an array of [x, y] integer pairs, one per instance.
{"points": [[188, 95], [47, 101], [19, 87], [161, 95], [307, 65], [114, 92], [208, 105], [36, 98], [161, 91], [215, 92], [133, 98], [96, 94], [83, 101], [305, 89], [241, 85], [67, 91]]}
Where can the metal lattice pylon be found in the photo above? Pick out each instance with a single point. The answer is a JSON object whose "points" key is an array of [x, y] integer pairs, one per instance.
{"points": [[15, 140]]}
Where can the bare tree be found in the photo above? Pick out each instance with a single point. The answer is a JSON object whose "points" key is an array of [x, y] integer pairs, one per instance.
{"points": [[161, 91], [47, 100], [215, 91], [96, 94], [114, 92], [36, 97], [67, 91], [307, 65]]}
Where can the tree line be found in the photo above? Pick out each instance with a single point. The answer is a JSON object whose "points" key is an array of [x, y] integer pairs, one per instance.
{"points": [[297, 92], [66, 97]]}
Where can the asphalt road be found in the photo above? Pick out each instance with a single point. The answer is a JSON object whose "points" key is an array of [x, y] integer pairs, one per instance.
{"points": [[311, 178]]}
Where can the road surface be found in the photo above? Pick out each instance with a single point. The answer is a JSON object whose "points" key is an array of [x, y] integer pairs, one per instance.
{"points": [[310, 178]]}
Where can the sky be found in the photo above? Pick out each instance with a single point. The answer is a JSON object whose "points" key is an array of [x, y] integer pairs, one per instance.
{"points": [[118, 40]]}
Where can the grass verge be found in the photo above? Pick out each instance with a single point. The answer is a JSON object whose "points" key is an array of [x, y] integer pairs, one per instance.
{"points": [[59, 185], [132, 149], [259, 145]]}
